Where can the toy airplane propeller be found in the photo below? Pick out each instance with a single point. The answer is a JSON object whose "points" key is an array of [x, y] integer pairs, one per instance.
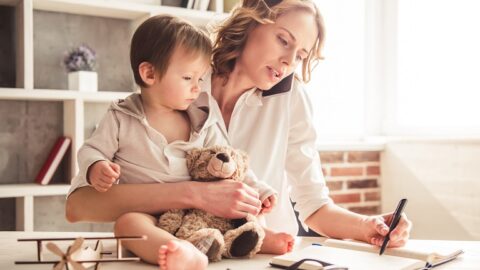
{"points": [[76, 257], [67, 256]]}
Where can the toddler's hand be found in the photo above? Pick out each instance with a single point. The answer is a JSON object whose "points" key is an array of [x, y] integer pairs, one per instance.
{"points": [[268, 204], [102, 174]]}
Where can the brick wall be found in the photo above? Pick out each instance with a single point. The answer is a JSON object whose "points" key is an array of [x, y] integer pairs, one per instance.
{"points": [[353, 179]]}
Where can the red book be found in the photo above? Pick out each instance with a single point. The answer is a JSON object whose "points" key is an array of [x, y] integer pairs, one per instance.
{"points": [[54, 158]]}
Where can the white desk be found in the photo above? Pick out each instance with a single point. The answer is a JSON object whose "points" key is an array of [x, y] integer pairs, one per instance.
{"points": [[11, 250]]}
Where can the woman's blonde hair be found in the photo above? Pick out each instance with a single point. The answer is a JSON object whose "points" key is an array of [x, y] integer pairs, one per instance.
{"points": [[231, 36]]}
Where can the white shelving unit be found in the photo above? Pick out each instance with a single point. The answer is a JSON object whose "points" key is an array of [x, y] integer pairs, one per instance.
{"points": [[24, 194], [73, 101]]}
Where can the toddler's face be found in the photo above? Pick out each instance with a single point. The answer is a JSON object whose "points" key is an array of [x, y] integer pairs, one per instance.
{"points": [[179, 86]]}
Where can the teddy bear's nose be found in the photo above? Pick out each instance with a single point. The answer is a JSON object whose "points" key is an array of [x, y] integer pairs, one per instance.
{"points": [[223, 157]]}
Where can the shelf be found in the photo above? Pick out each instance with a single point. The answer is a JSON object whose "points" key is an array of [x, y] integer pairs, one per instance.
{"points": [[102, 96], [194, 16], [40, 32], [123, 10], [8, 2], [59, 95], [118, 10], [22, 190]]}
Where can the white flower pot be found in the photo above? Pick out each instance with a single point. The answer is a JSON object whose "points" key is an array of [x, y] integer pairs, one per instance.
{"points": [[84, 81]]}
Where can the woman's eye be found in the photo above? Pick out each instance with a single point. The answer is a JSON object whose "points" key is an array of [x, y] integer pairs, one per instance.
{"points": [[187, 78], [299, 58], [283, 41]]}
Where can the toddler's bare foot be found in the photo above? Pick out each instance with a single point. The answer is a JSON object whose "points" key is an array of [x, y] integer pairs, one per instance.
{"points": [[277, 243], [181, 255]]}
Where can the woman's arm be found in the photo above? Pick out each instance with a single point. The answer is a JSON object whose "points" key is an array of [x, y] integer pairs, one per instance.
{"points": [[225, 198], [333, 221], [311, 194]]}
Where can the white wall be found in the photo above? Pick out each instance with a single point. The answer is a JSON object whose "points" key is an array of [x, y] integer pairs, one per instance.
{"points": [[441, 179]]}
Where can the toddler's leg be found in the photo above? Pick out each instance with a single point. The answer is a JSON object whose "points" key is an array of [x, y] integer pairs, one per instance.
{"points": [[277, 243], [160, 246]]}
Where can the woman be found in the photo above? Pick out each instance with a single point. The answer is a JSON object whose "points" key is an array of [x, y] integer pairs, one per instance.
{"points": [[274, 126], [258, 48]]}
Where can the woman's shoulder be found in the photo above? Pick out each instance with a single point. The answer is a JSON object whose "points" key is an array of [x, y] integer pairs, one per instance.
{"points": [[298, 85]]}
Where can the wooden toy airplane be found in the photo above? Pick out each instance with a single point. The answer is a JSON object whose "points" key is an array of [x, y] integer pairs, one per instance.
{"points": [[77, 258]]}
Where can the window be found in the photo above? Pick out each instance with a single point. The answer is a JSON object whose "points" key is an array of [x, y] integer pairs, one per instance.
{"points": [[337, 85], [437, 89]]}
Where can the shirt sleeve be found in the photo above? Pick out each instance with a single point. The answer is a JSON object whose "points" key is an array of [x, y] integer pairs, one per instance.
{"points": [[303, 168], [102, 145]]}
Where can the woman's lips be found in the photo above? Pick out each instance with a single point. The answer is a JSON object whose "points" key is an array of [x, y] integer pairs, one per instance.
{"points": [[273, 74]]}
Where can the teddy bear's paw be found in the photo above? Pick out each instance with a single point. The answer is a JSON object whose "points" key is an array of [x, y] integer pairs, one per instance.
{"points": [[210, 242], [214, 253], [244, 241]]}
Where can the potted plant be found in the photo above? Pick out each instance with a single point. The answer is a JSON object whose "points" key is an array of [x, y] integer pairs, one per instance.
{"points": [[80, 63]]}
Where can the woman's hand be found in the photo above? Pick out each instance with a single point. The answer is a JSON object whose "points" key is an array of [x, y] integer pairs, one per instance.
{"points": [[375, 229], [227, 198]]}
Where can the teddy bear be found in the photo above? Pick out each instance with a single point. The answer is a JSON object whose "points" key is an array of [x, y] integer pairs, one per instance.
{"points": [[216, 237]]}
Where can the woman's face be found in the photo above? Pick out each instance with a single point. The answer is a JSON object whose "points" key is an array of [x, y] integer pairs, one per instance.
{"points": [[273, 51]]}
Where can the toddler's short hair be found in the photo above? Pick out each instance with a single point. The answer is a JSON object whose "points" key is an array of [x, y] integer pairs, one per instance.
{"points": [[155, 40]]}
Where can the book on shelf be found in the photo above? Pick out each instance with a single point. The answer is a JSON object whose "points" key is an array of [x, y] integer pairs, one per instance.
{"points": [[190, 4], [201, 5], [54, 158], [361, 256]]}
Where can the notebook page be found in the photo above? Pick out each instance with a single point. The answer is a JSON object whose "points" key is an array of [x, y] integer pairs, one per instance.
{"points": [[427, 254], [354, 260], [360, 246], [437, 258]]}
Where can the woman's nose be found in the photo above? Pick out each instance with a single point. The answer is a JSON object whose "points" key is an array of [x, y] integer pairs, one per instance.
{"points": [[289, 58]]}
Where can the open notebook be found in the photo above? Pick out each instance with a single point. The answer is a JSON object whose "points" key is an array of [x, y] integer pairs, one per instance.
{"points": [[360, 256]]}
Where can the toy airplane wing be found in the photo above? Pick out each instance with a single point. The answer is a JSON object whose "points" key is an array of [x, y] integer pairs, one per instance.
{"points": [[78, 257]]}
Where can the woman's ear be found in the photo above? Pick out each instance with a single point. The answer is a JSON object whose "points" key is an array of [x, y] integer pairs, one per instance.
{"points": [[147, 73]]}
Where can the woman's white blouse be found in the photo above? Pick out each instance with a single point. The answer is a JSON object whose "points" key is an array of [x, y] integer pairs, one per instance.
{"points": [[278, 134]]}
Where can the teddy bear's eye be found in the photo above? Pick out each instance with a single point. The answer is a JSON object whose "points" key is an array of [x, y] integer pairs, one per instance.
{"points": [[212, 152]]}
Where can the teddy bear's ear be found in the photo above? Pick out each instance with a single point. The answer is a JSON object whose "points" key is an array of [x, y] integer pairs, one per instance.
{"points": [[241, 158], [243, 155], [192, 156]]}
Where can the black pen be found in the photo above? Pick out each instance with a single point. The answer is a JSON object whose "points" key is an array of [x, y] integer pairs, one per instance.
{"points": [[395, 219]]}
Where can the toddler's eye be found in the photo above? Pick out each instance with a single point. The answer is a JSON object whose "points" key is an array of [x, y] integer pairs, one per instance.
{"points": [[186, 78]]}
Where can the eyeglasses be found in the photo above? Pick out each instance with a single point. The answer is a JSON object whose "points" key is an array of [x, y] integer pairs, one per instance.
{"points": [[325, 265]]}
